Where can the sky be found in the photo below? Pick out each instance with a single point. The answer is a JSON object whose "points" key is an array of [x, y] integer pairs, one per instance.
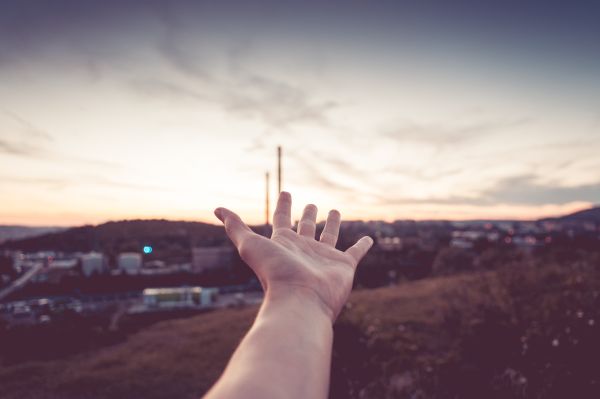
{"points": [[385, 109]]}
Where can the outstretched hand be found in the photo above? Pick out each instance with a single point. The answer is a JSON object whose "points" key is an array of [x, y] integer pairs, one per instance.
{"points": [[296, 264]]}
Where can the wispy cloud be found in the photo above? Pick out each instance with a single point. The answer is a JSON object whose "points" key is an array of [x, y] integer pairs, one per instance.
{"points": [[53, 183], [277, 104], [527, 189], [166, 90], [26, 128], [17, 148], [240, 91], [518, 190], [20, 137], [79, 180], [441, 136], [29, 148], [319, 178]]}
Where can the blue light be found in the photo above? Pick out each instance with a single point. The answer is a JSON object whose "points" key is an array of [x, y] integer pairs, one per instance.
{"points": [[147, 249]]}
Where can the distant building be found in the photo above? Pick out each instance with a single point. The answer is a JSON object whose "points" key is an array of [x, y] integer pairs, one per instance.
{"points": [[390, 243], [63, 264], [206, 258], [92, 263], [154, 264], [129, 262], [461, 243], [56, 271], [179, 297]]}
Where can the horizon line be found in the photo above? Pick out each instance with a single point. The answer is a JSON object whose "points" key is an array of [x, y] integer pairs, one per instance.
{"points": [[475, 219]]}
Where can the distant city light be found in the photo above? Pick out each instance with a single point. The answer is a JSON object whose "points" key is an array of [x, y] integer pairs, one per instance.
{"points": [[147, 249]]}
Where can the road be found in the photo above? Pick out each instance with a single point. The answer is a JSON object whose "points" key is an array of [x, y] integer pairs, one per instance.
{"points": [[20, 282]]}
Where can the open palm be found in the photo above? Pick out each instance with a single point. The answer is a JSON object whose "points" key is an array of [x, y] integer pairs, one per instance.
{"points": [[297, 262]]}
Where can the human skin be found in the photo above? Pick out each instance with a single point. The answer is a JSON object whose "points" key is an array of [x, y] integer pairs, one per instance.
{"points": [[287, 351]]}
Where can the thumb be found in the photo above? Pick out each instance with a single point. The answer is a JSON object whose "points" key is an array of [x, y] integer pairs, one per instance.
{"points": [[235, 228], [360, 249]]}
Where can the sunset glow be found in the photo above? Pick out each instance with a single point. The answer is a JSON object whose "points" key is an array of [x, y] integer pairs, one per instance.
{"points": [[115, 112]]}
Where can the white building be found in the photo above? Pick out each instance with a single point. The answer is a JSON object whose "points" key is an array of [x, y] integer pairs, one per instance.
{"points": [[129, 262], [92, 263], [63, 264], [390, 243], [179, 297], [205, 258]]}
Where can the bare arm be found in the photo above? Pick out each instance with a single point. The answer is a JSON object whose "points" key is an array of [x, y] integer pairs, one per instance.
{"points": [[287, 352]]}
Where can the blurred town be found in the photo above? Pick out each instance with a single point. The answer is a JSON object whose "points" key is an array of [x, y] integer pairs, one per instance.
{"points": [[135, 268]]}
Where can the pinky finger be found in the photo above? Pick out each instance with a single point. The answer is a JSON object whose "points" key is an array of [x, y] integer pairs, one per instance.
{"points": [[359, 249]]}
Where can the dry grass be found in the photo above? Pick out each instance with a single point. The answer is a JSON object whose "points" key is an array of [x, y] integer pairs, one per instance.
{"points": [[176, 358], [419, 340]]}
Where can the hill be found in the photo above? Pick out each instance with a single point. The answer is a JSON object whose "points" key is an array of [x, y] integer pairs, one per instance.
{"points": [[20, 232], [127, 235], [122, 235], [524, 332], [586, 215]]}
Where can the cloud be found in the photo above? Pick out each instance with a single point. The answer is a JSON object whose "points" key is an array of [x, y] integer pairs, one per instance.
{"points": [[441, 136], [449, 200], [527, 190], [82, 180], [21, 137], [26, 128], [278, 104], [29, 149], [239, 91], [19, 149], [48, 182], [318, 178], [518, 190], [176, 55], [158, 88]]}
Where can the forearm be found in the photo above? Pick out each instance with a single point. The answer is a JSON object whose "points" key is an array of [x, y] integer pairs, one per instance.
{"points": [[286, 353]]}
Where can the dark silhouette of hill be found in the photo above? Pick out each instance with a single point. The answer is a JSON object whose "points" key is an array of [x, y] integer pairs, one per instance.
{"points": [[123, 235], [132, 234], [586, 215], [9, 232]]}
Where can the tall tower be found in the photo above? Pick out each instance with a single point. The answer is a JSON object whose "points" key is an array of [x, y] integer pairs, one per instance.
{"points": [[278, 169], [267, 199]]}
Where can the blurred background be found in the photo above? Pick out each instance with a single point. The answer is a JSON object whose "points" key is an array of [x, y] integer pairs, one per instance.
{"points": [[463, 137]]}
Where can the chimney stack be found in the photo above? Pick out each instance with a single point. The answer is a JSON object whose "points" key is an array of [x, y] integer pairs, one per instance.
{"points": [[267, 199], [279, 169]]}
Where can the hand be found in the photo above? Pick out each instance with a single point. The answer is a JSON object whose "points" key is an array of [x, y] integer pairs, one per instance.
{"points": [[296, 264]]}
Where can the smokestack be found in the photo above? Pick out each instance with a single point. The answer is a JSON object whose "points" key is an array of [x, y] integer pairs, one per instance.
{"points": [[279, 169], [267, 199]]}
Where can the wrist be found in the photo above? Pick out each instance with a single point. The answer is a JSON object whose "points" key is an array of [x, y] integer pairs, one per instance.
{"points": [[299, 300]]}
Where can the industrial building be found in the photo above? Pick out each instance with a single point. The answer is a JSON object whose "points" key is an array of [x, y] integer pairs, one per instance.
{"points": [[206, 258], [179, 297], [92, 263], [129, 262]]}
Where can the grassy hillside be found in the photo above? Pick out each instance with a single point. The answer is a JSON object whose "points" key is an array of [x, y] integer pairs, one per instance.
{"points": [[526, 332]]}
